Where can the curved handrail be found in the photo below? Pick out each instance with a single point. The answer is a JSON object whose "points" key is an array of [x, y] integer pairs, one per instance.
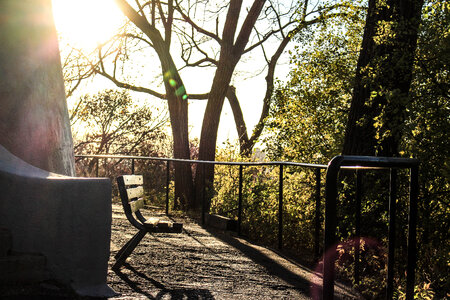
{"points": [[330, 240]]}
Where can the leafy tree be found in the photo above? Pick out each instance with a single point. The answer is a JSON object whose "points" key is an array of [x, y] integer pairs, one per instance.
{"points": [[109, 123], [425, 132], [427, 138], [383, 78], [309, 111]]}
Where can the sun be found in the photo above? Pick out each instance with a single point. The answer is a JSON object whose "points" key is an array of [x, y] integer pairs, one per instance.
{"points": [[86, 23]]}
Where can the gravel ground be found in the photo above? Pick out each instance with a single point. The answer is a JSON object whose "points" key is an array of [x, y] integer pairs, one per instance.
{"points": [[196, 264], [201, 264], [191, 265]]}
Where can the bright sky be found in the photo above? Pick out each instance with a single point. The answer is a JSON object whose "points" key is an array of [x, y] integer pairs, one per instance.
{"points": [[86, 23]]}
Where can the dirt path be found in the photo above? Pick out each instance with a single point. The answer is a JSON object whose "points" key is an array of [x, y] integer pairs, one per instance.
{"points": [[199, 265]]}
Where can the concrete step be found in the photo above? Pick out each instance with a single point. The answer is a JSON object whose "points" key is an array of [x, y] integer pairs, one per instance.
{"points": [[5, 242], [23, 268]]}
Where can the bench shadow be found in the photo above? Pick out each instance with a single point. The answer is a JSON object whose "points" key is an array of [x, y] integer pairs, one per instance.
{"points": [[190, 234], [166, 293]]}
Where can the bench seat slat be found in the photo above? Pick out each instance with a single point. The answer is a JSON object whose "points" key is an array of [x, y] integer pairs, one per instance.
{"points": [[133, 179], [136, 204], [135, 192], [152, 221]]}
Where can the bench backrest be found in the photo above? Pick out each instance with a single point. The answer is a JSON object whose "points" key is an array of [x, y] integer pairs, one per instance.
{"points": [[131, 193]]}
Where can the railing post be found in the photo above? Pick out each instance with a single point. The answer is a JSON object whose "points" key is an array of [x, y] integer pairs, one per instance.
{"points": [[412, 220], [317, 217], [167, 185], [280, 209], [203, 195], [391, 241], [96, 168], [240, 201], [357, 223], [330, 227], [132, 166]]}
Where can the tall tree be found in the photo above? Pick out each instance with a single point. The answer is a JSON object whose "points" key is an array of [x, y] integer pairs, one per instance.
{"points": [[34, 122], [174, 87], [211, 37], [383, 78], [309, 111], [428, 139]]}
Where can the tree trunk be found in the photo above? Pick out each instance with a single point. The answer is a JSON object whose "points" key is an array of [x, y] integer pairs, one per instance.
{"points": [[239, 121], [176, 97], [383, 78], [210, 126], [184, 188], [232, 48], [34, 121], [178, 109]]}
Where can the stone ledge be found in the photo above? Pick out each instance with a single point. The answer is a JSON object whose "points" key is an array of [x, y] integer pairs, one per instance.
{"points": [[220, 222]]}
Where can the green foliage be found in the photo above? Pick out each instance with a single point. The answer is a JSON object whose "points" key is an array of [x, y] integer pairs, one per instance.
{"points": [[427, 138], [309, 112], [383, 78], [110, 122], [421, 291], [260, 201], [307, 123]]}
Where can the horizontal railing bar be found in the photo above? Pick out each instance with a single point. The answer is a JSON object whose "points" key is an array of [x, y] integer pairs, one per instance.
{"points": [[378, 162], [349, 162], [274, 163]]}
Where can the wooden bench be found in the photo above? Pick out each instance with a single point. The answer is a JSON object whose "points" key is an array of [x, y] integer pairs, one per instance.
{"points": [[131, 193]]}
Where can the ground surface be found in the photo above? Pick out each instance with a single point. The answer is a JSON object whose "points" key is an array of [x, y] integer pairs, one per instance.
{"points": [[196, 264], [191, 265]]}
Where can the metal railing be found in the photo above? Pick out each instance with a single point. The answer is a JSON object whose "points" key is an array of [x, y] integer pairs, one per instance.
{"points": [[330, 240], [241, 165], [356, 163]]}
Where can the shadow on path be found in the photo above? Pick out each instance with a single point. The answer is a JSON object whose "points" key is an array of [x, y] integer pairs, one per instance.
{"points": [[255, 253], [302, 278], [166, 293]]}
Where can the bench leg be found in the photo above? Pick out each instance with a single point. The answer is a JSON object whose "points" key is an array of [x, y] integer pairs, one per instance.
{"points": [[128, 248], [124, 247]]}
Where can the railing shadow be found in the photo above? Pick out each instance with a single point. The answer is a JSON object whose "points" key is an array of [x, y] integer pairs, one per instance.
{"points": [[164, 293], [301, 278]]}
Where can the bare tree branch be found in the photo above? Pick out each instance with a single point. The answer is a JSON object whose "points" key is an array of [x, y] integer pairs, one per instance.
{"points": [[198, 28], [238, 117], [247, 26], [131, 87]]}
